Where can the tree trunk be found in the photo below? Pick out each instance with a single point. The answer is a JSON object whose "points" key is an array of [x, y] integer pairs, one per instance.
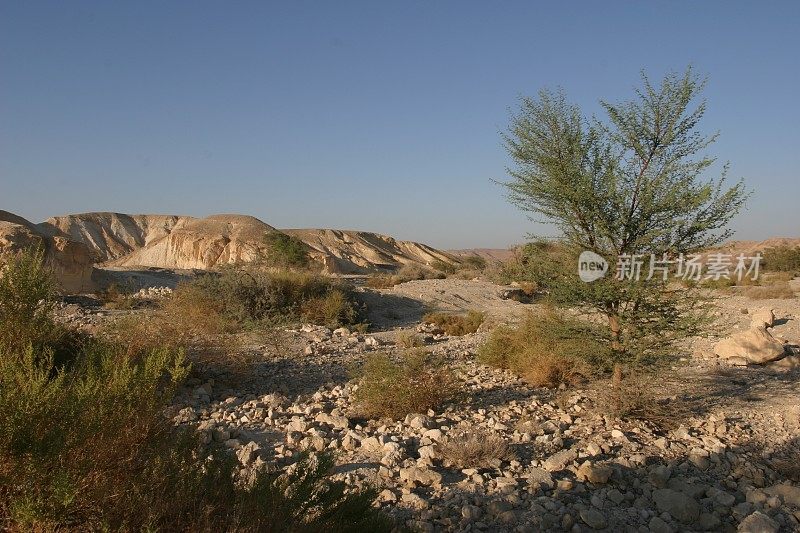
{"points": [[616, 345], [616, 389], [613, 324]]}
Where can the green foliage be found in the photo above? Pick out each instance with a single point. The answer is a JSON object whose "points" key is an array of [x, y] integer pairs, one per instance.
{"points": [[549, 349], [418, 381], [446, 268], [27, 298], [782, 259], [635, 184], [474, 262], [91, 449], [87, 446], [455, 325], [249, 297], [285, 250]]}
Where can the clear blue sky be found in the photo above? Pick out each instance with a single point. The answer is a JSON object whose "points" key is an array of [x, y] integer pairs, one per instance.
{"points": [[381, 116]]}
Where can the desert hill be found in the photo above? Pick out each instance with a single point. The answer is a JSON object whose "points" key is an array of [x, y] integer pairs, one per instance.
{"points": [[185, 242], [70, 259], [349, 251]]}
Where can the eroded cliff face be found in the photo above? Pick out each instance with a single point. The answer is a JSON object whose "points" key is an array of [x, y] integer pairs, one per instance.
{"points": [[72, 261], [203, 243], [112, 235], [355, 252]]}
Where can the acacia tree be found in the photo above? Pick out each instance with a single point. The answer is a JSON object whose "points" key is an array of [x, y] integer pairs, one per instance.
{"points": [[634, 183]]}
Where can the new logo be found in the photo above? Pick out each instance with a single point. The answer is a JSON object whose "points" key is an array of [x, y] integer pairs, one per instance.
{"points": [[591, 266]]}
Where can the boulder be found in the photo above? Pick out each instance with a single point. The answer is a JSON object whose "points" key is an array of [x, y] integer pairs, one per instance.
{"points": [[758, 522], [762, 317], [756, 346], [789, 494], [677, 504], [560, 460], [423, 476], [594, 473]]}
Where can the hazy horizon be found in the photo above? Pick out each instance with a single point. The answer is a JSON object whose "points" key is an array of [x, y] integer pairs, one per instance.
{"points": [[382, 118]]}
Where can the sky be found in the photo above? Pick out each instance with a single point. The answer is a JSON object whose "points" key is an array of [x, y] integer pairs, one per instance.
{"points": [[378, 116]]}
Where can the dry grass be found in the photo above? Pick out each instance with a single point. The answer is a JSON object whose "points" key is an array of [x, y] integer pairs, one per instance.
{"points": [[776, 290], [381, 281], [418, 381], [409, 339], [555, 369], [116, 297], [475, 449], [404, 274], [456, 325], [548, 349], [636, 396]]}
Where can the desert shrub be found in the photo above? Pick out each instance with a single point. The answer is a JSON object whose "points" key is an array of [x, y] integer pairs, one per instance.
{"points": [[404, 274], [285, 250], [333, 309], [117, 296], [771, 277], [91, 449], [455, 325], [548, 349], [380, 281], [87, 446], [444, 267], [409, 339], [251, 297], [775, 290], [27, 299], [782, 259], [634, 396], [416, 382], [474, 262], [475, 449]]}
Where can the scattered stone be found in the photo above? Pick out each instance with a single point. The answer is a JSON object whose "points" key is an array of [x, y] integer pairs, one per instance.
{"points": [[594, 473], [678, 505], [756, 346], [758, 522], [593, 518]]}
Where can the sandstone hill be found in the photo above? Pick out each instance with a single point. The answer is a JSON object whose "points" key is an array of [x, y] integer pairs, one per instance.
{"points": [[357, 252], [76, 242], [70, 259]]}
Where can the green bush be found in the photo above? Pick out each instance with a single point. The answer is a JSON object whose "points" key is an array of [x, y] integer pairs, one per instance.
{"points": [[441, 266], [250, 297], [418, 381], [548, 349], [454, 324], [87, 446], [91, 449], [117, 296], [474, 262], [27, 299], [285, 250]]}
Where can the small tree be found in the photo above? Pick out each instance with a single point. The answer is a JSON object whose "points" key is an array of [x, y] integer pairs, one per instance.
{"points": [[632, 184]]}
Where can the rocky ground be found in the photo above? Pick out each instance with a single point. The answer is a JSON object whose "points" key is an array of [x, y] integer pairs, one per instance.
{"points": [[729, 461]]}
